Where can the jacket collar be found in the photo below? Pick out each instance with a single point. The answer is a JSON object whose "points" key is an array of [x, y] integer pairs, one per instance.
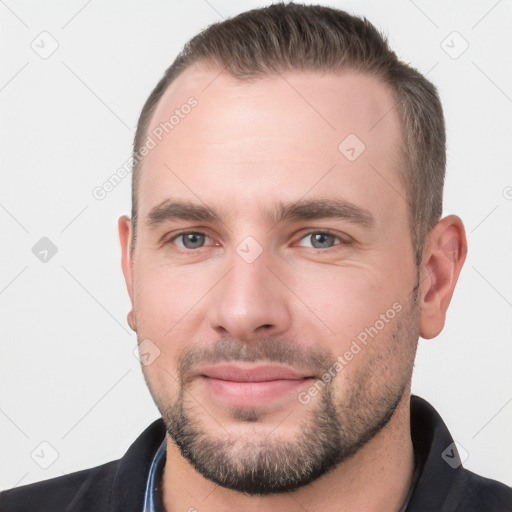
{"points": [[438, 486], [129, 483], [442, 477]]}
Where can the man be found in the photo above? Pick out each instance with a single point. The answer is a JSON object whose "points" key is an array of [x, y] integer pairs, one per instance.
{"points": [[285, 252]]}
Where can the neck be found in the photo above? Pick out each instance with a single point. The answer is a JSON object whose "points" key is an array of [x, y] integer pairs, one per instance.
{"points": [[376, 478]]}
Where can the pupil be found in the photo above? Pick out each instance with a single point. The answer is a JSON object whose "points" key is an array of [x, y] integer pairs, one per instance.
{"points": [[193, 240], [321, 240]]}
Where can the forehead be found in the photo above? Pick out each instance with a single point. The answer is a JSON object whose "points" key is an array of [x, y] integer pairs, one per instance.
{"points": [[271, 138]]}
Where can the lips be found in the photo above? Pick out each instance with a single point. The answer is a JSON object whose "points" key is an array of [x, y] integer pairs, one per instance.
{"points": [[240, 386], [255, 374]]}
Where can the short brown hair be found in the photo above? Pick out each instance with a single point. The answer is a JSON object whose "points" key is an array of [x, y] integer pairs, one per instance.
{"points": [[291, 36]]}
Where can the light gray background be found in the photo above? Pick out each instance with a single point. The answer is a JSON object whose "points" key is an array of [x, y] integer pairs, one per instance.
{"points": [[68, 374]]}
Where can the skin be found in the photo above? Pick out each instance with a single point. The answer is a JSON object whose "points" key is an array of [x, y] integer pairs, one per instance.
{"points": [[244, 149]]}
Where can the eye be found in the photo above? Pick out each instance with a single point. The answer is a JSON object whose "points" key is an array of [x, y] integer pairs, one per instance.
{"points": [[190, 240], [319, 240]]}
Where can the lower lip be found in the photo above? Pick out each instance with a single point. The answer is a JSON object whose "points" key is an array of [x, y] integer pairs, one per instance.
{"points": [[251, 393]]}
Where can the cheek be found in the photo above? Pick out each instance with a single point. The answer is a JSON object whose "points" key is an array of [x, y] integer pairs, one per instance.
{"points": [[169, 304], [346, 300], [160, 302], [165, 296], [164, 304]]}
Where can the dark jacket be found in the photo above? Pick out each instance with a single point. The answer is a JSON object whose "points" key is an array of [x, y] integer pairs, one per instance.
{"points": [[119, 486]]}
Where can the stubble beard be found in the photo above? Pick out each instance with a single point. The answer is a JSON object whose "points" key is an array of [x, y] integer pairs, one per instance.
{"points": [[332, 430]]}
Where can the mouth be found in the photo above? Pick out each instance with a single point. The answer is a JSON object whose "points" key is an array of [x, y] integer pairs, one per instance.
{"points": [[235, 385]]}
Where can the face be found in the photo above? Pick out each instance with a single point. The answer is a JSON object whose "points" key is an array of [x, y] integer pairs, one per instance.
{"points": [[274, 274]]}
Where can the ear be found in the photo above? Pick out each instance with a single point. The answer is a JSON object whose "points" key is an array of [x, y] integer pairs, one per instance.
{"points": [[443, 256], [125, 237]]}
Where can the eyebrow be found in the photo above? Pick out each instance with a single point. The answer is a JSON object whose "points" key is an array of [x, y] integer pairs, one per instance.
{"points": [[324, 209], [179, 210], [314, 209]]}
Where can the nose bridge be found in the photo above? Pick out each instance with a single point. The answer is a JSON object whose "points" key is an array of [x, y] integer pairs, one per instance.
{"points": [[249, 300], [248, 280]]}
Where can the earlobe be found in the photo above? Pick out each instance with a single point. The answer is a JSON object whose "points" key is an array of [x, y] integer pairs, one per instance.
{"points": [[125, 234], [130, 318], [443, 257]]}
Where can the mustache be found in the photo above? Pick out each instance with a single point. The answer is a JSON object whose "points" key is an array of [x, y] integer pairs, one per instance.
{"points": [[269, 349]]}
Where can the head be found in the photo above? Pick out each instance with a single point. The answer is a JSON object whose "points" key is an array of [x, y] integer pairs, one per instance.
{"points": [[289, 216], [319, 39]]}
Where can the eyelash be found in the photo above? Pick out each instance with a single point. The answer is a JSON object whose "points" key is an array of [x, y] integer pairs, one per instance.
{"points": [[341, 240], [182, 233]]}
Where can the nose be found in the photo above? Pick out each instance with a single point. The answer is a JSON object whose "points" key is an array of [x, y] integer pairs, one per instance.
{"points": [[250, 302]]}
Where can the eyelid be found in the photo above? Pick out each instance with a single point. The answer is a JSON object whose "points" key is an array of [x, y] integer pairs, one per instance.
{"points": [[170, 238], [342, 237]]}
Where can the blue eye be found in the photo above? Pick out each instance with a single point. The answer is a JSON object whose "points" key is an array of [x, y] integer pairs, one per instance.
{"points": [[191, 240], [319, 240]]}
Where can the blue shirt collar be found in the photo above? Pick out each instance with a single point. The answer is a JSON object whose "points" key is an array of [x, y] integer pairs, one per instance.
{"points": [[153, 501]]}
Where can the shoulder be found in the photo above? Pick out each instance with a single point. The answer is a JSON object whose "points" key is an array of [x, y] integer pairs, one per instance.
{"points": [[115, 486], [482, 493], [59, 494], [445, 484]]}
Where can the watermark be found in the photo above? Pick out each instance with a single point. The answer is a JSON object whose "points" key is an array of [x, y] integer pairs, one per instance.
{"points": [[44, 250], [454, 45], [454, 455], [146, 352], [152, 140], [351, 147], [44, 455], [45, 45], [249, 249], [357, 344]]}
